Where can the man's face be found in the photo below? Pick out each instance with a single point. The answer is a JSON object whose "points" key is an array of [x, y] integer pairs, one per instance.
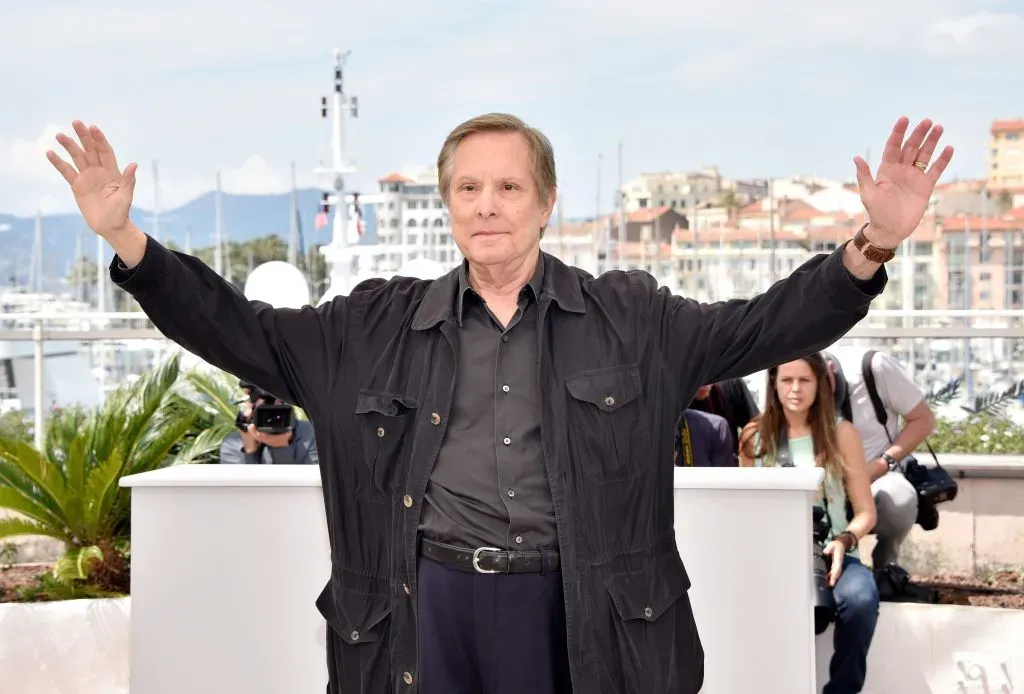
{"points": [[496, 210]]}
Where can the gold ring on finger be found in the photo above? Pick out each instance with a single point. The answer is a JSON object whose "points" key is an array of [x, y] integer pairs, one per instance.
{"points": [[921, 165]]}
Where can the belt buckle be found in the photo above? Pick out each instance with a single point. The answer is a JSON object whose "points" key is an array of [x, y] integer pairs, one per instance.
{"points": [[476, 559]]}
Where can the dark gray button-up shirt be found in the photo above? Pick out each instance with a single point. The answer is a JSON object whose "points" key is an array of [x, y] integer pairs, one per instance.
{"points": [[489, 487]]}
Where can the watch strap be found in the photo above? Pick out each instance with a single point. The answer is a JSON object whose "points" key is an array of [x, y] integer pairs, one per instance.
{"points": [[871, 251]]}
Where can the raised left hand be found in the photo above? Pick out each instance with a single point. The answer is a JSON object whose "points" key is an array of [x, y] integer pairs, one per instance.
{"points": [[897, 197]]}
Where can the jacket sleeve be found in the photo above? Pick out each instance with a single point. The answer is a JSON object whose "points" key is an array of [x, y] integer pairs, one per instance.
{"points": [[301, 451], [291, 353], [803, 313], [231, 452]]}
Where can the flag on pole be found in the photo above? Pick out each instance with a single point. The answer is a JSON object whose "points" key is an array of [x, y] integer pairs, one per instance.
{"points": [[320, 221]]}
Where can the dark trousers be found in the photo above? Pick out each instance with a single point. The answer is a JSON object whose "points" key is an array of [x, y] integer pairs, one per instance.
{"points": [[491, 633]]}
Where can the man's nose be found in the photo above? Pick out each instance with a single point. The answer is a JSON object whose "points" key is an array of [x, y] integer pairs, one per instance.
{"points": [[486, 203]]}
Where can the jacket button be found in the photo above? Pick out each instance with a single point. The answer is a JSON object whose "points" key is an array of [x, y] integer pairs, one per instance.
{"points": [[609, 400], [648, 612], [354, 636], [407, 676], [408, 591], [407, 500], [435, 418], [380, 432]]}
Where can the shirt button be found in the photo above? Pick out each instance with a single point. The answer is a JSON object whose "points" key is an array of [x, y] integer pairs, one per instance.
{"points": [[648, 612], [407, 677], [511, 492], [380, 432], [506, 440], [504, 338], [354, 636], [519, 539], [435, 418], [407, 500], [405, 586], [609, 401], [505, 388]]}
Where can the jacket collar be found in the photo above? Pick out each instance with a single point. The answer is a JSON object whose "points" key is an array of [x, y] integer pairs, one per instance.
{"points": [[557, 281]]}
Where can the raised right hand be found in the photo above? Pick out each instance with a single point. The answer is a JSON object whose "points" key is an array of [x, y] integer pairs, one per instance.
{"points": [[103, 192]]}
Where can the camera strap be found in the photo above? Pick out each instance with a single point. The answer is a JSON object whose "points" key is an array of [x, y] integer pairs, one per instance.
{"points": [[876, 402]]}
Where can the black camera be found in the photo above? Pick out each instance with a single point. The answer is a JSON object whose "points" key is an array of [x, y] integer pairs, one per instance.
{"points": [[268, 416], [933, 485], [821, 565]]}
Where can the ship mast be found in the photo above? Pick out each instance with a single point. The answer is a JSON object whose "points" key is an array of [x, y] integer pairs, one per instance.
{"points": [[338, 255]]}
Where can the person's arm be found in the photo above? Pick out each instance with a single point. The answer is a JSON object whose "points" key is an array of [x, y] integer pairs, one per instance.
{"points": [[858, 491], [292, 353], [809, 310], [899, 393], [301, 450], [232, 451], [721, 452]]}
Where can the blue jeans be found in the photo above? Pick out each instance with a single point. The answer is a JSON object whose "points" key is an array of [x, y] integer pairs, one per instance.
{"points": [[856, 595]]}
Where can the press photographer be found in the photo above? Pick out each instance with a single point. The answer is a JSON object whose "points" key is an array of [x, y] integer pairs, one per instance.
{"points": [[800, 428], [268, 433]]}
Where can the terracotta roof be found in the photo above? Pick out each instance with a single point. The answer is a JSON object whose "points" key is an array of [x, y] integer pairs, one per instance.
{"points": [[1007, 126], [647, 214], [395, 177], [959, 222], [1016, 213], [798, 211]]}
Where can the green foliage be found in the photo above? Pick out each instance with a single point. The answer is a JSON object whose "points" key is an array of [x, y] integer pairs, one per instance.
{"points": [[70, 490], [16, 424], [982, 433]]}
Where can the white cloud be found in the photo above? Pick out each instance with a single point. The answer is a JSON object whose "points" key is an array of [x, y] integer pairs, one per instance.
{"points": [[26, 157]]}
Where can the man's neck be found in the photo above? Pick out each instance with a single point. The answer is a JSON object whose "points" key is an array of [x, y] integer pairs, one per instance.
{"points": [[501, 284]]}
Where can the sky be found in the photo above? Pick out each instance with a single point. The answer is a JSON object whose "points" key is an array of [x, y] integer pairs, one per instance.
{"points": [[759, 89]]}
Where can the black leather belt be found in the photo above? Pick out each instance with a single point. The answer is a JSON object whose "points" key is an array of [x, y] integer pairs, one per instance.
{"points": [[491, 560]]}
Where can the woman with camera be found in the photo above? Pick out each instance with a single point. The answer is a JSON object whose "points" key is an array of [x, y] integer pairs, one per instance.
{"points": [[799, 427]]}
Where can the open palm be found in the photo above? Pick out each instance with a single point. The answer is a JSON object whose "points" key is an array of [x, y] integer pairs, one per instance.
{"points": [[102, 191], [897, 197]]}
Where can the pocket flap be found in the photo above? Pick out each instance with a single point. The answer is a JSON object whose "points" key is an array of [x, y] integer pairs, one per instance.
{"points": [[648, 593], [607, 389], [356, 617], [387, 404]]}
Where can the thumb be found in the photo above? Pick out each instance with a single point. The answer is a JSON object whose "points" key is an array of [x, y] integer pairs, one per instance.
{"points": [[829, 549], [128, 177], [865, 181]]}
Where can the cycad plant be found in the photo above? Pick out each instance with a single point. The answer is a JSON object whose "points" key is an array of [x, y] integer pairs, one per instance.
{"points": [[70, 491]]}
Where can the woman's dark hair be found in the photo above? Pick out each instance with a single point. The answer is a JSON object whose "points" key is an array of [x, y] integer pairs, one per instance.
{"points": [[821, 418]]}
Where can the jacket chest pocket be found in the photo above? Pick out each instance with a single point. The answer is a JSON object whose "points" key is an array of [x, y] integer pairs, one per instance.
{"points": [[608, 431], [385, 423]]}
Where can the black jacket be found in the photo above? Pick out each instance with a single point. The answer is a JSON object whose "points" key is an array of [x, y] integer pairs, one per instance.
{"points": [[619, 361]]}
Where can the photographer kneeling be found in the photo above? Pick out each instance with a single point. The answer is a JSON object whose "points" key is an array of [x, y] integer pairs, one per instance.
{"points": [[268, 433], [800, 428]]}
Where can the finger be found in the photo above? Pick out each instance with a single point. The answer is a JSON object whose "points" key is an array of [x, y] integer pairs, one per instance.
{"points": [[909, 152], [865, 181], [928, 148], [87, 143], [74, 151], [103, 148], [128, 180], [935, 172], [893, 146], [66, 170]]}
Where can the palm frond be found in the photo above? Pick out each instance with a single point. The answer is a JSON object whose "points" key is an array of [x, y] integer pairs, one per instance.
{"points": [[73, 565], [996, 404], [946, 394], [14, 527]]}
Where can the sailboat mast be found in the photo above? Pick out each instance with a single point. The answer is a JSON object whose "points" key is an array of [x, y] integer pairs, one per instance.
{"points": [[218, 231], [293, 227]]}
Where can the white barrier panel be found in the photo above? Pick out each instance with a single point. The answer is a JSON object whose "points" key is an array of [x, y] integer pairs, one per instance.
{"points": [[745, 536], [227, 562]]}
